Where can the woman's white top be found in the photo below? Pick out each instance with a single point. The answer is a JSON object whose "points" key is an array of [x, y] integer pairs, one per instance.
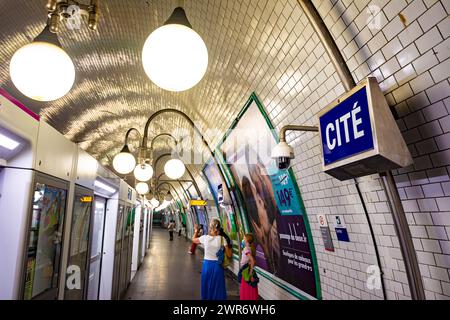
{"points": [[212, 245], [245, 256]]}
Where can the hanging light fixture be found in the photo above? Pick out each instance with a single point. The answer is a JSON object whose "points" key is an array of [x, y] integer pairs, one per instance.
{"points": [[174, 169], [143, 172], [174, 56], [168, 197], [124, 162], [142, 188], [42, 70], [154, 202]]}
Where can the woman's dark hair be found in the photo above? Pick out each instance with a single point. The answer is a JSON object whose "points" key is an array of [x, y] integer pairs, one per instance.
{"points": [[250, 201], [264, 190]]}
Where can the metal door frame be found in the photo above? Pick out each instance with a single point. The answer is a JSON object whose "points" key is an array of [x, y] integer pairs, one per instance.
{"points": [[105, 201], [82, 191], [116, 295], [52, 181]]}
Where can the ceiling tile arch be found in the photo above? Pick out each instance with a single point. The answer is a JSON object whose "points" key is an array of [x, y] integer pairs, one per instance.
{"points": [[112, 92]]}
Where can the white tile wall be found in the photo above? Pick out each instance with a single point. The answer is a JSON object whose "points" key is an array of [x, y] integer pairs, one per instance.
{"points": [[282, 60], [417, 55]]}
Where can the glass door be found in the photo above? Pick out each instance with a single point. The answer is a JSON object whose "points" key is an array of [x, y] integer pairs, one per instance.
{"points": [[79, 240], [96, 248], [45, 234]]}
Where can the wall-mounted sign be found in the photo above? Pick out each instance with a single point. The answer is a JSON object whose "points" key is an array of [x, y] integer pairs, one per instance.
{"points": [[130, 194], [325, 231], [341, 229], [360, 136], [197, 203], [86, 199]]}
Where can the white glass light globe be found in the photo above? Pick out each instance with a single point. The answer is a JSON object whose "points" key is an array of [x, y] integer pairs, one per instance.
{"points": [[174, 169], [154, 202], [168, 197], [175, 57], [143, 172], [124, 162], [142, 188], [42, 71]]}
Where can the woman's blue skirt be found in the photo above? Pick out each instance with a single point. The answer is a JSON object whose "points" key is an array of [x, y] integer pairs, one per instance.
{"points": [[213, 281]]}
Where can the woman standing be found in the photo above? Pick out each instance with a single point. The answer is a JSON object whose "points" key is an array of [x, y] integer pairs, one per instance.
{"points": [[199, 234], [213, 275], [247, 275]]}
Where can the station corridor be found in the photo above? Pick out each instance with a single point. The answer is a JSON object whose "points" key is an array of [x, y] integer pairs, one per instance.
{"points": [[168, 272]]}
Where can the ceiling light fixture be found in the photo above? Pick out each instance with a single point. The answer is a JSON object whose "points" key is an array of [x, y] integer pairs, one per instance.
{"points": [[174, 56], [42, 70], [124, 162], [168, 197], [8, 143], [143, 172], [154, 202], [142, 188], [174, 169]]}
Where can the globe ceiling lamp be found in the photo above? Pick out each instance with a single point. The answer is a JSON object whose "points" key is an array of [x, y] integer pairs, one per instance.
{"points": [[174, 169], [142, 188], [124, 162], [154, 202], [174, 56], [168, 197], [143, 172], [42, 70]]}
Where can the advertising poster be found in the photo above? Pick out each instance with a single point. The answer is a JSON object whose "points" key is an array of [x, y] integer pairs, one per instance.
{"points": [[229, 219], [274, 208]]}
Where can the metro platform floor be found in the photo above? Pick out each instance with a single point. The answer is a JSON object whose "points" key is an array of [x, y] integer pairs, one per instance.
{"points": [[168, 272]]}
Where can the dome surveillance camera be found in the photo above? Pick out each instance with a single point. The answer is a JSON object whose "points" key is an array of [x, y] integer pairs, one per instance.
{"points": [[283, 153]]}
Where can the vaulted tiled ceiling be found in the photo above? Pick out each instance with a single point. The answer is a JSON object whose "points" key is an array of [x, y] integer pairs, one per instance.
{"points": [[112, 92]]}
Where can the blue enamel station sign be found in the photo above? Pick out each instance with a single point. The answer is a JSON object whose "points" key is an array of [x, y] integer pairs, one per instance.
{"points": [[346, 129]]}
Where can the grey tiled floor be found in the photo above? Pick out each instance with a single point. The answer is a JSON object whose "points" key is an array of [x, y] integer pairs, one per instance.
{"points": [[169, 273]]}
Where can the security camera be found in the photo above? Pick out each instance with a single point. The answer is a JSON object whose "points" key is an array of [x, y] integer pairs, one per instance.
{"points": [[283, 153]]}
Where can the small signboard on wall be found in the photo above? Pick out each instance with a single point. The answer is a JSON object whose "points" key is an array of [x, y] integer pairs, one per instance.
{"points": [[325, 231], [341, 229]]}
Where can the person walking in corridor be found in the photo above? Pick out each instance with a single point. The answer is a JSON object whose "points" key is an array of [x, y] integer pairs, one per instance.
{"points": [[171, 227], [247, 276], [213, 274]]}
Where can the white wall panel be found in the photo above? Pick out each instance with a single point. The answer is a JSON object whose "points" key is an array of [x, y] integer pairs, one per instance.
{"points": [[55, 154], [16, 120], [86, 169]]}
